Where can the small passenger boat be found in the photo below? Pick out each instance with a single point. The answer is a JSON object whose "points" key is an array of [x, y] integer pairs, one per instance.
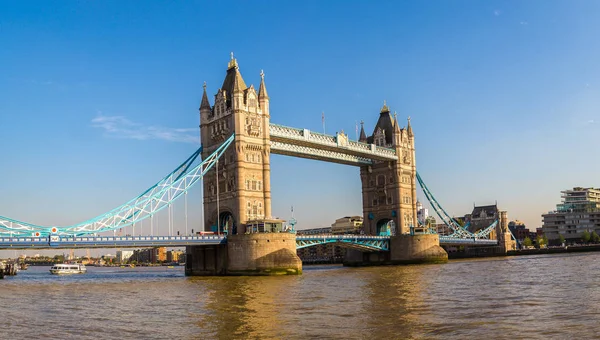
{"points": [[68, 268]]}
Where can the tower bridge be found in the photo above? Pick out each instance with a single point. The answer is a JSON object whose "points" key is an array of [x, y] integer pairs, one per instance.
{"points": [[233, 163]]}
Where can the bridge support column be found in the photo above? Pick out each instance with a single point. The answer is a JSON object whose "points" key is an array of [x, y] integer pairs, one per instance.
{"points": [[246, 254], [409, 249], [404, 249]]}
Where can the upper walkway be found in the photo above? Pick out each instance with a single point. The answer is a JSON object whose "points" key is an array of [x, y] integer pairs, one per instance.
{"points": [[313, 145]]}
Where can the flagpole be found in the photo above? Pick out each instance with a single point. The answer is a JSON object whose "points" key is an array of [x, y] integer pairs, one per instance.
{"points": [[356, 125], [323, 120]]}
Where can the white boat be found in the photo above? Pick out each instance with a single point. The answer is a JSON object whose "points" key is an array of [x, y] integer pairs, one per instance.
{"points": [[68, 268]]}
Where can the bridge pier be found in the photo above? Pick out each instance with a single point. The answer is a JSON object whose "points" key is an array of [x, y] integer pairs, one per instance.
{"points": [[246, 255], [404, 249]]}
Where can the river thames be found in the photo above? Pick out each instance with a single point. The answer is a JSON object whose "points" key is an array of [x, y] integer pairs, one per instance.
{"points": [[544, 296]]}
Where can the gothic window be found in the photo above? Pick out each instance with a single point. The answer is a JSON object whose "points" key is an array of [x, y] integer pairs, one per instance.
{"points": [[260, 209], [255, 209], [253, 185], [259, 184]]}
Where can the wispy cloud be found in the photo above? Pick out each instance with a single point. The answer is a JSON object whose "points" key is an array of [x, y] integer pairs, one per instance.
{"points": [[121, 127], [497, 12], [524, 23], [591, 121]]}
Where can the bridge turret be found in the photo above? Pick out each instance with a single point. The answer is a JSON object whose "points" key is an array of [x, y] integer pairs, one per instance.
{"points": [[263, 97], [205, 108], [363, 136]]}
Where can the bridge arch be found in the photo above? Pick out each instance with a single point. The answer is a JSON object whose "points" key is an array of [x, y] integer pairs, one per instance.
{"points": [[386, 227], [227, 223]]}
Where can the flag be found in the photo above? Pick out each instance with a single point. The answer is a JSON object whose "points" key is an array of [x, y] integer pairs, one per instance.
{"points": [[292, 208], [323, 117]]}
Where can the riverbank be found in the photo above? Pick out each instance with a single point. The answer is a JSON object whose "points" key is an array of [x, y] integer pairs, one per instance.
{"points": [[553, 250]]}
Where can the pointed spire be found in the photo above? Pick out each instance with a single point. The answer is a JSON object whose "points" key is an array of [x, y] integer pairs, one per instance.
{"points": [[363, 135], [205, 104], [232, 62], [262, 90], [396, 125], [233, 80], [385, 108], [409, 128]]}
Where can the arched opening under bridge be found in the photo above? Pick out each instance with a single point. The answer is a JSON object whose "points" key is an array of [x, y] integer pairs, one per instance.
{"points": [[386, 227]]}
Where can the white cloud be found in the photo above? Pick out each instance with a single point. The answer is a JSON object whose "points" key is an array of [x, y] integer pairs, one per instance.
{"points": [[524, 23], [121, 127], [497, 12], [591, 121]]}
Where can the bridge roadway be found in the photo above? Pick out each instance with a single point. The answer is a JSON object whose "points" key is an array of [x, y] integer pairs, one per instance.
{"points": [[362, 242]]}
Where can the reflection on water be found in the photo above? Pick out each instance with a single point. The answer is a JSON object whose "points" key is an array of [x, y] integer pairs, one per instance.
{"points": [[554, 296]]}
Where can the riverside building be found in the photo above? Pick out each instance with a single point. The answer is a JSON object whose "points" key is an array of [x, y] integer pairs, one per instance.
{"points": [[579, 211]]}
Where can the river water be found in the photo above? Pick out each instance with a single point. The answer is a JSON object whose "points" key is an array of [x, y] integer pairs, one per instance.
{"points": [[545, 296]]}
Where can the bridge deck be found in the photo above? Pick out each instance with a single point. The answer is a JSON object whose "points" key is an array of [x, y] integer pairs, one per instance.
{"points": [[107, 242], [363, 242]]}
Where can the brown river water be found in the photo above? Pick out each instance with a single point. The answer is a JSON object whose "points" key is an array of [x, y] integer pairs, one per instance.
{"points": [[527, 297]]}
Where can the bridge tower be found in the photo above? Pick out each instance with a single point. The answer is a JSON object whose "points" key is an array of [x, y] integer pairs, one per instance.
{"points": [[243, 185], [237, 193], [390, 199], [389, 187]]}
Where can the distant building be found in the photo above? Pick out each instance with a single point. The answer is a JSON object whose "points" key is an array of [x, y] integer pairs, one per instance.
{"points": [[174, 255], [347, 225], [482, 217], [314, 231], [124, 255], [518, 229], [422, 213], [579, 211]]}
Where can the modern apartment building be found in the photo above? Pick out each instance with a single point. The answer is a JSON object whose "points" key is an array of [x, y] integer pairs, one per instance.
{"points": [[579, 211]]}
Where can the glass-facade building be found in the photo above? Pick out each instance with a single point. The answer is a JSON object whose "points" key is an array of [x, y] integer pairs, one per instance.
{"points": [[579, 211]]}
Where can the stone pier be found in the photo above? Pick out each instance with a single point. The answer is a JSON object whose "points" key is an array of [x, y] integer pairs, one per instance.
{"points": [[404, 249], [246, 254]]}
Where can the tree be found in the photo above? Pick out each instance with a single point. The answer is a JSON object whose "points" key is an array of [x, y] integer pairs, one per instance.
{"points": [[561, 239], [527, 242], [586, 236], [545, 240], [539, 241], [595, 238]]}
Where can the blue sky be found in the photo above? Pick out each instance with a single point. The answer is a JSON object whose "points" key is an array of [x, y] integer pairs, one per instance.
{"points": [[503, 96]]}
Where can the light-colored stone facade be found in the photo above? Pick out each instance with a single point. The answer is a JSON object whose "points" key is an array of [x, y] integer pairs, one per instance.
{"points": [[244, 170], [389, 188]]}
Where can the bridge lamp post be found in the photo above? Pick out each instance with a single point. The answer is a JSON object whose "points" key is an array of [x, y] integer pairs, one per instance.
{"points": [[218, 213]]}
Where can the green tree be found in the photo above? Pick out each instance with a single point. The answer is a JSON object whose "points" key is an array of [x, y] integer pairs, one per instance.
{"points": [[527, 242], [595, 238], [545, 240], [586, 236], [561, 239]]}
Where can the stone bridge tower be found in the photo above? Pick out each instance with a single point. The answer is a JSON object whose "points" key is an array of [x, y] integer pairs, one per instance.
{"points": [[243, 185], [389, 187]]}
